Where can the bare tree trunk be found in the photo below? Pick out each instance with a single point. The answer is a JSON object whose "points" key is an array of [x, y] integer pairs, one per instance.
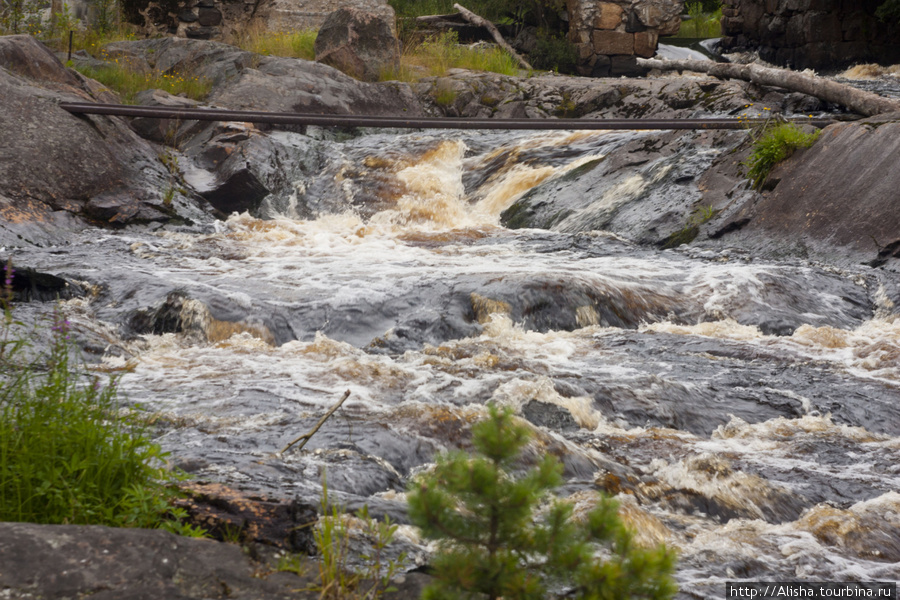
{"points": [[474, 19], [56, 7], [859, 101]]}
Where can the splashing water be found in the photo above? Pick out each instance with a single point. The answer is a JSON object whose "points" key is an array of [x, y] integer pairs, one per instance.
{"points": [[653, 375]]}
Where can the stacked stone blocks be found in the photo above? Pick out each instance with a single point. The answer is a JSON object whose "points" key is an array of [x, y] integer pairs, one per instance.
{"points": [[610, 35], [810, 33]]}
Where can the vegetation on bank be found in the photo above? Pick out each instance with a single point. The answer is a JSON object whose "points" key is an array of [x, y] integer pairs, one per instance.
{"points": [[129, 82], [69, 452], [705, 20], [776, 144], [552, 51], [292, 44]]}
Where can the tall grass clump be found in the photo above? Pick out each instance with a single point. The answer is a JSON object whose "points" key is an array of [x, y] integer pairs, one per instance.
{"points": [[128, 82], [338, 580], [775, 145], [292, 44], [438, 54], [68, 453]]}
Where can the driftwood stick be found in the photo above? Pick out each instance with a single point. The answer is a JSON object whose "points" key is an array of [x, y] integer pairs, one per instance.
{"points": [[305, 437], [859, 101], [474, 19]]}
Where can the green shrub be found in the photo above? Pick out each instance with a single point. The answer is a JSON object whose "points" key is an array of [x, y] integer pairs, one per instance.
{"points": [[776, 144], [553, 53], [68, 453], [889, 11], [515, 13], [490, 541]]}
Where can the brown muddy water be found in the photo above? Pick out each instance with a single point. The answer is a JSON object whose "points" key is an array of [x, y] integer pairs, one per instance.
{"points": [[746, 413]]}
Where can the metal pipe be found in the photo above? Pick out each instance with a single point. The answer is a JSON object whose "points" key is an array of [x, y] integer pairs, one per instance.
{"points": [[215, 114]]}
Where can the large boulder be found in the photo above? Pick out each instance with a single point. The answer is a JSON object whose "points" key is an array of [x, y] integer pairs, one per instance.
{"points": [[836, 200], [78, 561], [292, 85], [358, 42], [242, 80], [94, 167]]}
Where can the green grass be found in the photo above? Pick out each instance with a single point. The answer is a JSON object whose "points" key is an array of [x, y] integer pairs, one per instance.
{"points": [[128, 82], [293, 44], [702, 24], [691, 230], [338, 580], [775, 145], [69, 454], [436, 55]]}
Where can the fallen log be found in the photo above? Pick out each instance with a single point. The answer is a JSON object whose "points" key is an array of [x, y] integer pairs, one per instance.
{"points": [[474, 19], [455, 18], [859, 101]]}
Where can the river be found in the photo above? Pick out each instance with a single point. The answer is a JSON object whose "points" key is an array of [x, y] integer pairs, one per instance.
{"points": [[744, 411]]}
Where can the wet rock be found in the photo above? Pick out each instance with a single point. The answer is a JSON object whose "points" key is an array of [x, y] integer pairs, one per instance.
{"points": [[238, 190], [240, 168], [572, 97], [27, 222], [178, 313], [213, 61], [358, 43], [68, 561], [646, 189], [229, 514], [164, 131], [64, 161], [835, 199], [549, 415], [291, 85], [73, 561], [25, 56], [30, 285]]}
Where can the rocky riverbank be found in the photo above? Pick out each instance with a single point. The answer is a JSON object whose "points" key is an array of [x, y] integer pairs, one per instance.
{"points": [[62, 174]]}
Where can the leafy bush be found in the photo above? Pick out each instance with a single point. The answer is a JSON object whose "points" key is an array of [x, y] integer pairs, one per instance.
{"points": [[491, 543], [68, 454], [775, 145], [495, 10], [889, 11], [19, 16], [553, 53]]}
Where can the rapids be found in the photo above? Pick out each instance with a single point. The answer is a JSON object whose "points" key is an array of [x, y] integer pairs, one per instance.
{"points": [[745, 412]]}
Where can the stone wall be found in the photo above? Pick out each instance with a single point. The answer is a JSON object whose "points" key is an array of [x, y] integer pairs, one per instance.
{"points": [[610, 35], [816, 34], [215, 19]]}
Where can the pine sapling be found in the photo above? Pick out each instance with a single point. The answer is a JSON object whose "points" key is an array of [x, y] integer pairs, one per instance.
{"points": [[491, 542]]}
